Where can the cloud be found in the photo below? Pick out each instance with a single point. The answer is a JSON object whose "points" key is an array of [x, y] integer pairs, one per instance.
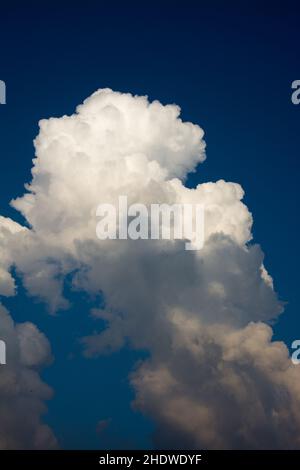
{"points": [[221, 388], [22, 392], [102, 425], [214, 378]]}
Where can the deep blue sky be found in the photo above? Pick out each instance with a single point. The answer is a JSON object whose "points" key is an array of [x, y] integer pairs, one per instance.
{"points": [[229, 65]]}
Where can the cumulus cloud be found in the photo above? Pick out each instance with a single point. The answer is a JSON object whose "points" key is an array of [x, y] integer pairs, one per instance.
{"points": [[214, 377], [22, 392], [221, 388]]}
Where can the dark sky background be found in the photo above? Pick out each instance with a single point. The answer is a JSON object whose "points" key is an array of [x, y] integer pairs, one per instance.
{"points": [[229, 65]]}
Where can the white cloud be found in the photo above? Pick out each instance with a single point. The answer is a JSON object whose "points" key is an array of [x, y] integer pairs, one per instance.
{"points": [[199, 314]]}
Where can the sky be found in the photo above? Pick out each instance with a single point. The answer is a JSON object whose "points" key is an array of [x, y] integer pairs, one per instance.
{"points": [[229, 66]]}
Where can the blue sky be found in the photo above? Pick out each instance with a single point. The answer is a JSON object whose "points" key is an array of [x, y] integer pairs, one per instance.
{"points": [[229, 65]]}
